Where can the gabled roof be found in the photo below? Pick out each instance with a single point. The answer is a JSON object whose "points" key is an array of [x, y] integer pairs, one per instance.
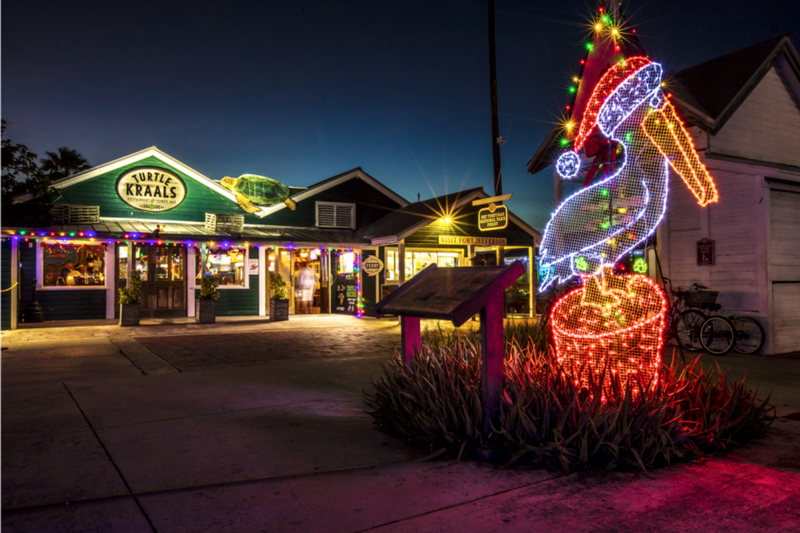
{"points": [[356, 173], [132, 158], [406, 221], [709, 93], [297, 193]]}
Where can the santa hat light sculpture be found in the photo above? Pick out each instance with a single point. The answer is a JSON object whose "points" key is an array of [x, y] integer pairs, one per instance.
{"points": [[615, 323]]}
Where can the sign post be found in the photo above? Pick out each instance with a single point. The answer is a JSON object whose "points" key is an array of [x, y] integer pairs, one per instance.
{"points": [[456, 294]]}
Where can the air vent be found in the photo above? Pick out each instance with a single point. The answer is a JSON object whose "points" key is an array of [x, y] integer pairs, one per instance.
{"points": [[75, 214], [336, 215], [224, 222]]}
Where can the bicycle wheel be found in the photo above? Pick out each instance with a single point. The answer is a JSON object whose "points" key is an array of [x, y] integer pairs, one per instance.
{"points": [[717, 335], [749, 334], [687, 329]]}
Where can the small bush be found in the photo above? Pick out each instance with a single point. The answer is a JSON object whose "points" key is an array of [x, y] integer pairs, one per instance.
{"points": [[132, 293], [277, 286], [208, 288], [547, 419]]}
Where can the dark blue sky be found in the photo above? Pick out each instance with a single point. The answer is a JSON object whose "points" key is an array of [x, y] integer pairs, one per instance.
{"points": [[301, 91]]}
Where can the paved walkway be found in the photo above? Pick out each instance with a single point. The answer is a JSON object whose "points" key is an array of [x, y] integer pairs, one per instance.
{"points": [[251, 426]]}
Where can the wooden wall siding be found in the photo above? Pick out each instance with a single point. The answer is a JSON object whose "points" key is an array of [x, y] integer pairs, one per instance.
{"points": [[733, 224], [786, 309], [371, 205], [785, 235], [199, 198], [5, 283], [766, 127], [239, 302]]}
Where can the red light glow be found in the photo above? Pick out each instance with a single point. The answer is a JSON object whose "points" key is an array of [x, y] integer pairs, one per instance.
{"points": [[612, 323]]}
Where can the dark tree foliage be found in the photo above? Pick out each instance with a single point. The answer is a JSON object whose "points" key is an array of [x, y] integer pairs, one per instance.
{"points": [[22, 175], [63, 162]]}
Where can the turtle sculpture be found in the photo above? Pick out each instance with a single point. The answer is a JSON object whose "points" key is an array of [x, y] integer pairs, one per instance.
{"points": [[250, 189]]}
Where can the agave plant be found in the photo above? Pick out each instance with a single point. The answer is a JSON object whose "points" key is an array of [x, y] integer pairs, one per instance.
{"points": [[551, 416]]}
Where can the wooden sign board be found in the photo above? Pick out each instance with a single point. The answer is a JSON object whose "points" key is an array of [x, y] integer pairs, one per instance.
{"points": [[479, 241], [493, 218], [456, 294], [705, 252]]}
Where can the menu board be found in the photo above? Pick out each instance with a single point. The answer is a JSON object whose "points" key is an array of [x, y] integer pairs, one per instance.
{"points": [[345, 296]]}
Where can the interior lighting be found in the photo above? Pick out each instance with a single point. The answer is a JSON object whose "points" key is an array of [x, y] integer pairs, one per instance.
{"points": [[447, 220]]}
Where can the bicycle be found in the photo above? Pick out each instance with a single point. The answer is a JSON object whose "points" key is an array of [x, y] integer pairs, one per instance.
{"points": [[719, 334], [683, 319]]}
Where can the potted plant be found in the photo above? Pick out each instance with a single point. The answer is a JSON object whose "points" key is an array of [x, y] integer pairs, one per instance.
{"points": [[279, 303], [206, 309], [129, 301]]}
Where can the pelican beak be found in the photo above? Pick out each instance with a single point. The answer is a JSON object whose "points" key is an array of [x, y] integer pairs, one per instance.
{"points": [[667, 132]]}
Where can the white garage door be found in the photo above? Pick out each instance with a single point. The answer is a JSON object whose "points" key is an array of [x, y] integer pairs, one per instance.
{"points": [[785, 263], [786, 313]]}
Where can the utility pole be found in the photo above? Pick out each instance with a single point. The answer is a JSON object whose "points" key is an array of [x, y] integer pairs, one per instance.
{"points": [[498, 180]]}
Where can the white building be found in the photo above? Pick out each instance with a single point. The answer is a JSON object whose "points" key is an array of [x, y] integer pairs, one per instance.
{"points": [[743, 110]]}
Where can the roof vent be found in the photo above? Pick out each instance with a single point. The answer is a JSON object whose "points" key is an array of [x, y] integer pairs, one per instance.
{"points": [[224, 222], [336, 215]]}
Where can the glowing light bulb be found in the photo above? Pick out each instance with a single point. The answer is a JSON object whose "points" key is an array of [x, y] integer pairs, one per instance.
{"points": [[447, 220]]}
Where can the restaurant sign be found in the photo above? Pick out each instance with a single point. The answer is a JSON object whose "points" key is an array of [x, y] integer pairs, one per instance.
{"points": [[151, 189], [372, 265], [493, 217], [479, 241]]}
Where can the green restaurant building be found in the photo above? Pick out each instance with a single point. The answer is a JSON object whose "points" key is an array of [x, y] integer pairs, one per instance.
{"points": [[149, 213]]}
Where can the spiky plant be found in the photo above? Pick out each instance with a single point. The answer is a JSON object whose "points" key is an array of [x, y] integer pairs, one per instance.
{"points": [[551, 417]]}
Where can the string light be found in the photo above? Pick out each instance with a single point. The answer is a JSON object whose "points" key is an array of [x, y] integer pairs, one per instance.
{"points": [[629, 109], [612, 322]]}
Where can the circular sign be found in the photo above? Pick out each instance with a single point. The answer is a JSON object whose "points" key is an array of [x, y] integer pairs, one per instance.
{"points": [[372, 265], [151, 189]]}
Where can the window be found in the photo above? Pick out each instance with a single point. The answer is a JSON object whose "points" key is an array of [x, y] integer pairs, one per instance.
{"points": [[71, 265], [336, 215], [417, 261], [227, 265], [347, 263]]}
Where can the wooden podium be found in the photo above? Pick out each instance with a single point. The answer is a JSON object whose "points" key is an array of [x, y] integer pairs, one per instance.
{"points": [[456, 294]]}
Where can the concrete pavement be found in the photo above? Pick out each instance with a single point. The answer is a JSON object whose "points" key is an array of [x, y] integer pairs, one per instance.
{"points": [[251, 426]]}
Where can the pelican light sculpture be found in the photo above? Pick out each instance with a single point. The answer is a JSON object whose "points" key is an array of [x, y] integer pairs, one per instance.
{"points": [[601, 223]]}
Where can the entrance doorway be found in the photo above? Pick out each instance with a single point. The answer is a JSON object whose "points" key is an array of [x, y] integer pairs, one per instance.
{"points": [[163, 271], [308, 276]]}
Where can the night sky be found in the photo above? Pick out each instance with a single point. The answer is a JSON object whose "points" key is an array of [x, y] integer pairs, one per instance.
{"points": [[301, 91]]}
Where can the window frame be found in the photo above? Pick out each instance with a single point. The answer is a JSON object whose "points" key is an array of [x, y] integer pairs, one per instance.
{"points": [[40, 286], [437, 251], [194, 283]]}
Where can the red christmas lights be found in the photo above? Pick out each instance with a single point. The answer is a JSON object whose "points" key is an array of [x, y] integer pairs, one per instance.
{"points": [[612, 324], [605, 86]]}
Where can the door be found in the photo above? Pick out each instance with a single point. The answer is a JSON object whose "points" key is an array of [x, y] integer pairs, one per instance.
{"points": [[784, 260], [163, 270]]}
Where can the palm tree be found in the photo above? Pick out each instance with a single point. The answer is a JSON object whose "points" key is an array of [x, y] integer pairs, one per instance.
{"points": [[64, 162]]}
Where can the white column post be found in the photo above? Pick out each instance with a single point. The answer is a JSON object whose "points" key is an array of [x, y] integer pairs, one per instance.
{"points": [[111, 278], [14, 293], [191, 274], [401, 262], [263, 274]]}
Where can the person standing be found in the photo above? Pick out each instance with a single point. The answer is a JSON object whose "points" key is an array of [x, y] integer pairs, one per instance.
{"points": [[306, 283]]}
